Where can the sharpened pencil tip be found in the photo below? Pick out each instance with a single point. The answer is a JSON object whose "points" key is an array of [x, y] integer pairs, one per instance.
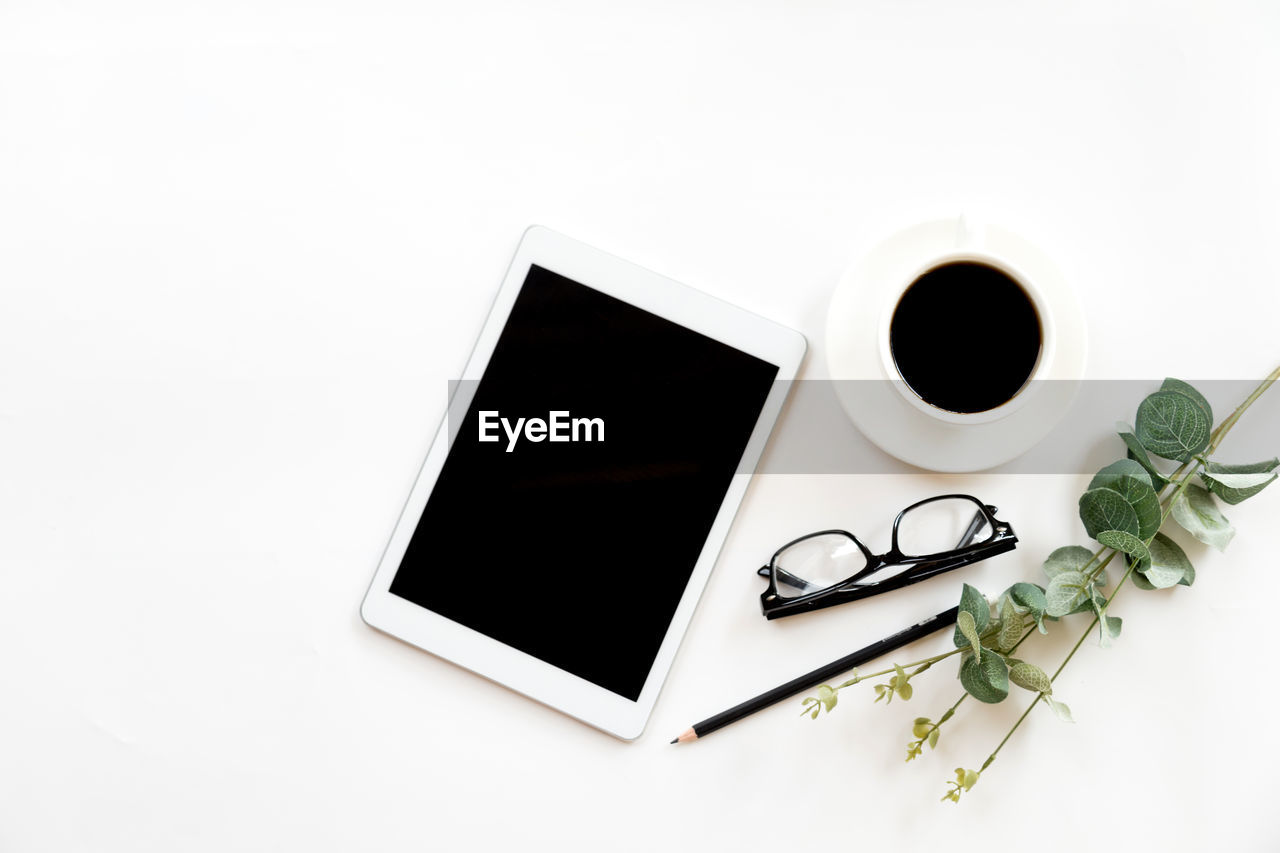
{"points": [[675, 740]]}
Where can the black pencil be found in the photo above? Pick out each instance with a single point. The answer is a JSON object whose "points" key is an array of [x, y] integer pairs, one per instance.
{"points": [[819, 675]]}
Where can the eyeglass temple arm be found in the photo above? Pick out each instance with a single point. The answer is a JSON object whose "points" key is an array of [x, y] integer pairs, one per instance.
{"points": [[979, 519]]}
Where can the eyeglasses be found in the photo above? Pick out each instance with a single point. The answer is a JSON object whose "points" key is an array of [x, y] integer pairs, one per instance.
{"points": [[831, 567]]}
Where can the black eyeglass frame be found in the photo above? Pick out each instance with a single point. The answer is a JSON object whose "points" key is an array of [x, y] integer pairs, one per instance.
{"points": [[1002, 539]]}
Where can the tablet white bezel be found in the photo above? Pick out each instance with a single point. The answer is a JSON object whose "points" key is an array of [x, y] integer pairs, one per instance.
{"points": [[504, 664]]}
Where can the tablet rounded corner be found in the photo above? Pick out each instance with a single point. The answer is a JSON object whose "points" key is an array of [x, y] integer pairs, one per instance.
{"points": [[367, 615], [629, 736], [801, 344], [534, 231]]}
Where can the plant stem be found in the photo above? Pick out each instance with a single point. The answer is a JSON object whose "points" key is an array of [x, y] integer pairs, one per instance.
{"points": [[1102, 565], [1009, 734], [1215, 438], [925, 662]]}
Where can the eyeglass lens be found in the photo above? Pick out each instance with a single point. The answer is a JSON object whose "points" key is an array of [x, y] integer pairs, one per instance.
{"points": [[942, 525], [817, 562]]}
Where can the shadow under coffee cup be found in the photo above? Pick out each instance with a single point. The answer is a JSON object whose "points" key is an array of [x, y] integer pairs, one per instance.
{"points": [[965, 338]]}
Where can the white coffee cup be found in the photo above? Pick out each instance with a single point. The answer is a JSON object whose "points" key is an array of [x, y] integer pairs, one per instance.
{"points": [[967, 249]]}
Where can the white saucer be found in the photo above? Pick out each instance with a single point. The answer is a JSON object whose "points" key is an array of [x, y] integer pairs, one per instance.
{"points": [[854, 320]]}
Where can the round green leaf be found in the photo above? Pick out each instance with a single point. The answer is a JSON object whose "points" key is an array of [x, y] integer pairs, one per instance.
{"points": [[1133, 483], [1126, 543], [1179, 387], [1065, 592], [1029, 596], [1170, 424], [1169, 563], [985, 677], [1195, 510], [1141, 582], [1106, 509], [1068, 558]]}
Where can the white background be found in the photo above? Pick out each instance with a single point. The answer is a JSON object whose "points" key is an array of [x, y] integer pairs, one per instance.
{"points": [[244, 246]]}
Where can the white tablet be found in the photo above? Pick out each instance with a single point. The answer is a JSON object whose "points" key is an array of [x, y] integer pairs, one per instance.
{"points": [[571, 507]]}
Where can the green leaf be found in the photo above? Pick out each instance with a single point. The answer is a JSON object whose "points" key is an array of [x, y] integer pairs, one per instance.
{"points": [[985, 677], [1030, 677], [965, 626], [1126, 543], [1160, 577], [1195, 510], [1133, 483], [933, 738], [1065, 591], [1086, 603], [1236, 483], [1010, 627], [1169, 564], [1068, 558], [1171, 425], [1113, 625], [1179, 387], [1139, 454], [827, 697], [1141, 582], [973, 603], [1060, 708], [921, 727], [1106, 509], [1098, 603], [1031, 597]]}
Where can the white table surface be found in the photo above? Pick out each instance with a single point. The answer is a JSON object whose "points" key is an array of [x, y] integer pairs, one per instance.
{"points": [[244, 246]]}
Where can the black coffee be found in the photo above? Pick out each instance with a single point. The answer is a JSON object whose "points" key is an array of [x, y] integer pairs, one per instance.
{"points": [[965, 337]]}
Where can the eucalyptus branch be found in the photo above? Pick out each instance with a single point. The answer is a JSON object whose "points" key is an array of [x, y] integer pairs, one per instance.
{"points": [[1174, 429], [1125, 509]]}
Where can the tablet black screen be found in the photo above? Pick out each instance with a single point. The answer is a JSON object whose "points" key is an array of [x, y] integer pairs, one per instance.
{"points": [[577, 551]]}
